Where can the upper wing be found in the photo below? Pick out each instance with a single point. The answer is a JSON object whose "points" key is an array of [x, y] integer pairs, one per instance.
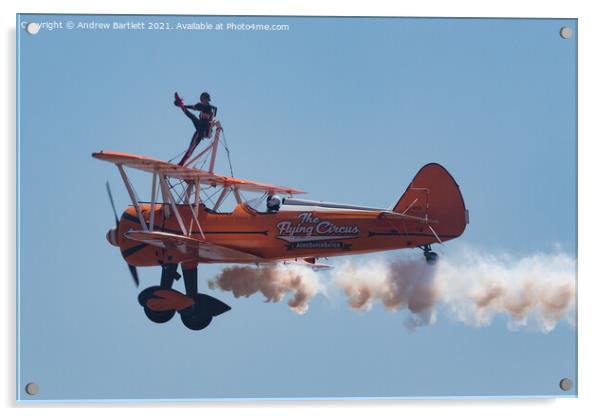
{"points": [[172, 170], [208, 252]]}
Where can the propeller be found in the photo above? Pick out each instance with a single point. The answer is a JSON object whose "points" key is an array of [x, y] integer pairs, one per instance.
{"points": [[112, 204], [134, 273], [133, 270]]}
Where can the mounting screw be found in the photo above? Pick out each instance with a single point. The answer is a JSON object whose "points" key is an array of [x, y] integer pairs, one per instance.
{"points": [[32, 28], [566, 32], [566, 384], [32, 389]]}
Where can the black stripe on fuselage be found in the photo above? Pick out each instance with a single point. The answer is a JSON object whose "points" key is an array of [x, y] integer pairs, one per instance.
{"points": [[132, 250], [129, 217]]}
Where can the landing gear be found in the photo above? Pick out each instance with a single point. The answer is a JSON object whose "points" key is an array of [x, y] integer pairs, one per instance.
{"points": [[430, 256], [199, 315], [196, 310]]}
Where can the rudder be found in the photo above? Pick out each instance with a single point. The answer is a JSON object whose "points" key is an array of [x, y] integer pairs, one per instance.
{"points": [[434, 194]]}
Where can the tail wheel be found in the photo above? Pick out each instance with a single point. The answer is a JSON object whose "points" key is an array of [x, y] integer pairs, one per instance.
{"points": [[431, 257]]}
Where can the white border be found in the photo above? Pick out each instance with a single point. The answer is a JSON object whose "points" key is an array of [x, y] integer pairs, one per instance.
{"points": [[590, 34]]}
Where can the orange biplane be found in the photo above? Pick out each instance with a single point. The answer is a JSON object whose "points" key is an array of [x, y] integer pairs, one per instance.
{"points": [[187, 228]]}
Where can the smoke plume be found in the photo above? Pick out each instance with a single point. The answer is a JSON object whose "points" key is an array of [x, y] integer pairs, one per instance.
{"points": [[397, 284], [536, 291], [274, 282], [468, 286]]}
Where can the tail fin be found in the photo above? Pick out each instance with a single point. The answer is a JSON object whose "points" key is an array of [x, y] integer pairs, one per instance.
{"points": [[434, 194]]}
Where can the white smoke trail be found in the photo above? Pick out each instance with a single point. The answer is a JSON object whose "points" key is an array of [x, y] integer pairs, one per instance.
{"points": [[398, 284], [535, 291], [273, 282]]}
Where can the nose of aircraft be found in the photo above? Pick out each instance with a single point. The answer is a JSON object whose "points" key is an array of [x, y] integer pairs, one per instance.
{"points": [[112, 237]]}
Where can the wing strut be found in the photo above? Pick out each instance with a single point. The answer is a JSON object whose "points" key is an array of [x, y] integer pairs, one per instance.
{"points": [[153, 200], [221, 198], [197, 196], [237, 195], [133, 196], [196, 220], [169, 199]]}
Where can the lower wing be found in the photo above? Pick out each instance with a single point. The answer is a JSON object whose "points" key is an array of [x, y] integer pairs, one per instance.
{"points": [[204, 250]]}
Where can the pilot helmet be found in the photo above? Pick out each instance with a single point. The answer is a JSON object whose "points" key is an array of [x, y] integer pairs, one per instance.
{"points": [[273, 202]]}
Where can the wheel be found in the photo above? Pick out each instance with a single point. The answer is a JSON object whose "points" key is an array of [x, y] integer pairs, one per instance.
{"points": [[195, 318], [431, 257], [199, 315], [159, 317]]}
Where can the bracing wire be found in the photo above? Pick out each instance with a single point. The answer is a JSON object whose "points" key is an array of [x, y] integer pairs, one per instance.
{"points": [[225, 143], [209, 197], [177, 156]]}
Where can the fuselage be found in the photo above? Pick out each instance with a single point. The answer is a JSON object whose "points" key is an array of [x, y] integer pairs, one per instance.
{"points": [[299, 232]]}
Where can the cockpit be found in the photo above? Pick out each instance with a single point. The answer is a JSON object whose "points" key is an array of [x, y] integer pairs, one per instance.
{"points": [[266, 204]]}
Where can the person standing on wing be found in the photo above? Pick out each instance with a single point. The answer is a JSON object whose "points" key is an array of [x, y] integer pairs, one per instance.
{"points": [[202, 123]]}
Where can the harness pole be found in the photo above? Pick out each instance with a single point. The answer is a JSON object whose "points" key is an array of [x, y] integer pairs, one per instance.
{"points": [[218, 129]]}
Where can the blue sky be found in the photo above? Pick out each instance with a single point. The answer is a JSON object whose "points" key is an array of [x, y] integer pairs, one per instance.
{"points": [[346, 109]]}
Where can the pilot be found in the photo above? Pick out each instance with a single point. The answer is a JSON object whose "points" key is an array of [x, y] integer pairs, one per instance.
{"points": [[202, 123], [273, 203]]}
